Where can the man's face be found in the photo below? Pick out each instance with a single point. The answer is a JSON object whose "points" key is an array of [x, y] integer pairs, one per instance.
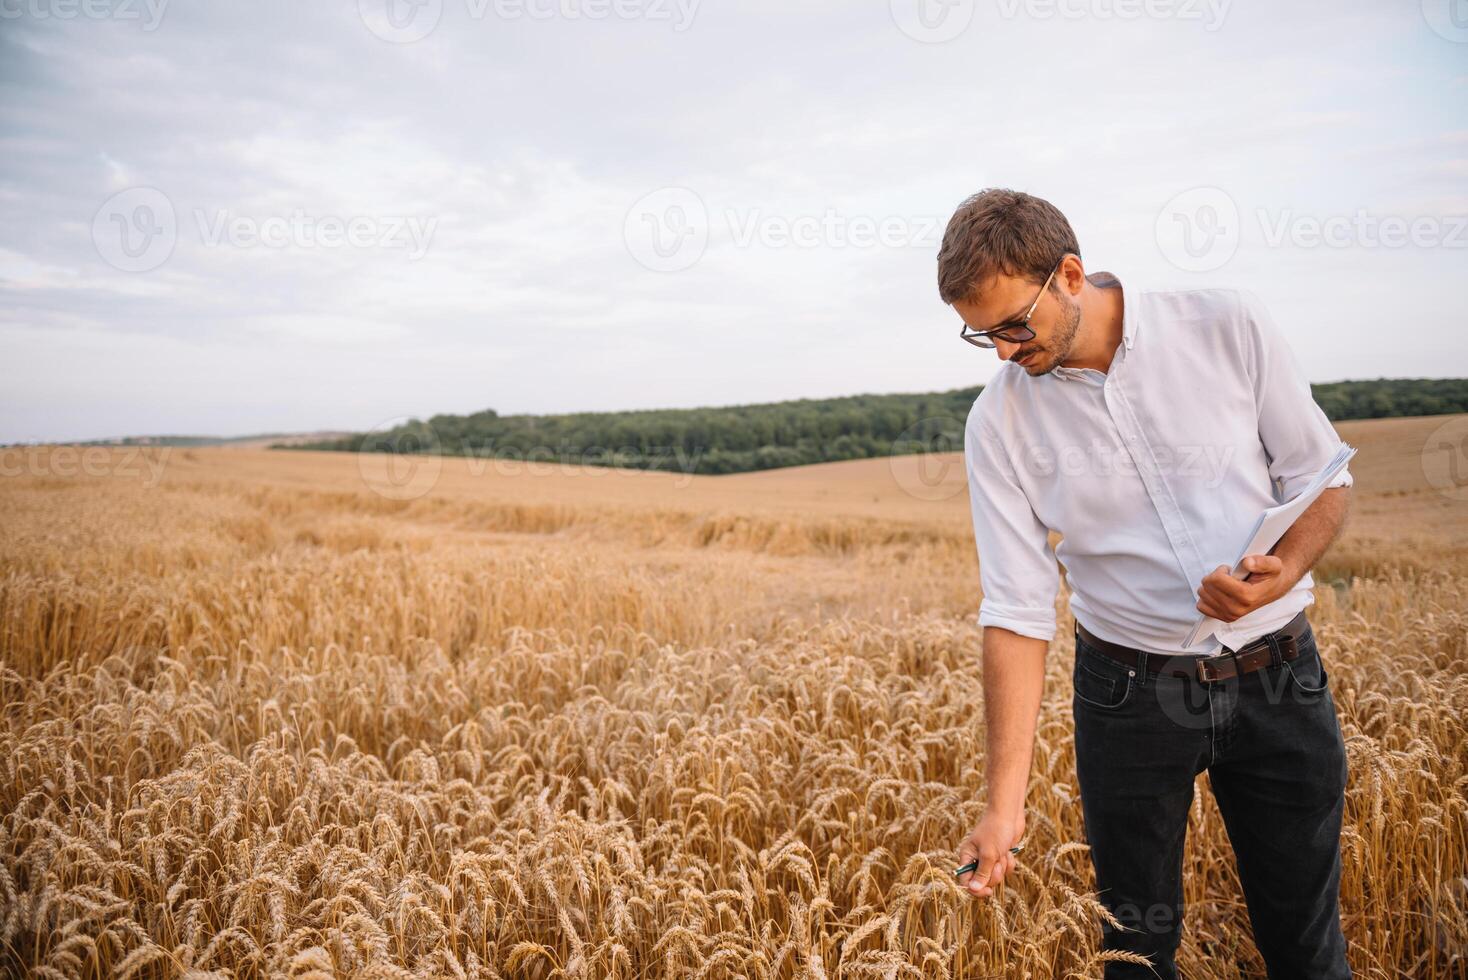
{"points": [[1005, 300]]}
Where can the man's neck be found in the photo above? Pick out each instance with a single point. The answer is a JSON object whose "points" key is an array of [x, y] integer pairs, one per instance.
{"points": [[1099, 333]]}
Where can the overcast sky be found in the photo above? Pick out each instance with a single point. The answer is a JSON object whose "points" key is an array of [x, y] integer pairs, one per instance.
{"points": [[231, 218]]}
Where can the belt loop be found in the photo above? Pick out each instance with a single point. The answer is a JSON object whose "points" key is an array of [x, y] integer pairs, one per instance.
{"points": [[1274, 655]]}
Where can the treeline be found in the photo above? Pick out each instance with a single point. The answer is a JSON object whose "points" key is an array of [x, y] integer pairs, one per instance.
{"points": [[1385, 397], [740, 438]]}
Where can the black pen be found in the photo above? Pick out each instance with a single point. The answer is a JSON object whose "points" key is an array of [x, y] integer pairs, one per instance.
{"points": [[974, 865]]}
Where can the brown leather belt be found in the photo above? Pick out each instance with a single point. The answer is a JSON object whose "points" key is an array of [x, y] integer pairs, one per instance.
{"points": [[1218, 667]]}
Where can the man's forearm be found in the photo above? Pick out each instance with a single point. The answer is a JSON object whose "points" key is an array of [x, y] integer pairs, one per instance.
{"points": [[1312, 533], [1014, 680]]}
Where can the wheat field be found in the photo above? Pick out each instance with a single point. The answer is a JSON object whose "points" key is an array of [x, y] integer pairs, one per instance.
{"points": [[313, 715]]}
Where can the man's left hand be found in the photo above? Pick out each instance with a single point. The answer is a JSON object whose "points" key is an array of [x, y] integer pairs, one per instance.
{"points": [[1226, 598]]}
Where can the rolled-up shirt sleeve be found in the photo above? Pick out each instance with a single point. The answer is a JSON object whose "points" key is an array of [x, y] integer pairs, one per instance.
{"points": [[1017, 567], [1296, 434]]}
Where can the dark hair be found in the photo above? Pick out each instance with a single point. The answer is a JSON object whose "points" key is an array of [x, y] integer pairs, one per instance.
{"points": [[1000, 231]]}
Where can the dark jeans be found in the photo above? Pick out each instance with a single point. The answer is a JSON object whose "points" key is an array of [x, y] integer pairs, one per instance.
{"points": [[1276, 763]]}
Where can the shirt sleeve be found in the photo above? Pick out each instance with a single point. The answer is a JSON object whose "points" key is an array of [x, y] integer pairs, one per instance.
{"points": [[1017, 566], [1298, 439]]}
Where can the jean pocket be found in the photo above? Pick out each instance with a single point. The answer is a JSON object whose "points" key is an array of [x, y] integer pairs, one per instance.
{"points": [[1307, 673], [1100, 683]]}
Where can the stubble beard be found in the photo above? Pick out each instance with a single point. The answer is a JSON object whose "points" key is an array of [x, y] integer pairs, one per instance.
{"points": [[1058, 349]]}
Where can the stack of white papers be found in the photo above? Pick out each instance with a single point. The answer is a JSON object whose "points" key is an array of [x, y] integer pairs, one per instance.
{"points": [[1270, 527]]}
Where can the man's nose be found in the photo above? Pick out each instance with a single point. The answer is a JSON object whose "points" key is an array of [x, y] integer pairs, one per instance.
{"points": [[1005, 348]]}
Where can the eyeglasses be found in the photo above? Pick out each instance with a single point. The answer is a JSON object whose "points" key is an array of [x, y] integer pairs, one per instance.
{"points": [[1013, 332]]}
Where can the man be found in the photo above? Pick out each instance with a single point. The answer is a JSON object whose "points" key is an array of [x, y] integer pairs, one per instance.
{"points": [[1149, 429]]}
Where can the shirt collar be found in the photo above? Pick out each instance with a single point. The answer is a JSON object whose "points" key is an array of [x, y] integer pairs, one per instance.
{"points": [[1129, 322]]}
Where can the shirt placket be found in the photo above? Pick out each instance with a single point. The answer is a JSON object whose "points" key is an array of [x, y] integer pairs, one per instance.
{"points": [[1154, 480]]}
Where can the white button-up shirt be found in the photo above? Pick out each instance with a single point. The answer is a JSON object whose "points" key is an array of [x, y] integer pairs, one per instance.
{"points": [[1153, 471]]}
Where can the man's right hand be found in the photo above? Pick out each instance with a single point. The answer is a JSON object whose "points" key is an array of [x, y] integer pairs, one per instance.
{"points": [[1014, 680], [989, 844]]}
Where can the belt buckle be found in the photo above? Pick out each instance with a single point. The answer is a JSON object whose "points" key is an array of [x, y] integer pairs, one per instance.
{"points": [[1205, 667]]}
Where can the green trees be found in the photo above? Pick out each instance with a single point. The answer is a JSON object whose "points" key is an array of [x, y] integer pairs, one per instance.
{"points": [[1387, 397], [739, 438]]}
